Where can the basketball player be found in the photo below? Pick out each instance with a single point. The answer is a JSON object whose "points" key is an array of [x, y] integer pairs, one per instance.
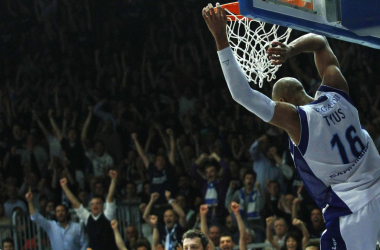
{"points": [[336, 158]]}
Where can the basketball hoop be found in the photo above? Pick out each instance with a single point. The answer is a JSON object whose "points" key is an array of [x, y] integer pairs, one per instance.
{"points": [[249, 39]]}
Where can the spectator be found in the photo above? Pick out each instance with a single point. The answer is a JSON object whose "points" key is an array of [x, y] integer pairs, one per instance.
{"points": [[13, 202], [280, 227], [251, 202], [317, 225], [190, 213], [96, 222], [213, 190], [8, 244], [72, 147], [161, 173], [118, 239], [131, 193], [174, 222], [313, 246], [131, 235], [291, 240], [225, 241], [34, 158], [102, 162], [264, 163], [4, 221], [63, 233]]}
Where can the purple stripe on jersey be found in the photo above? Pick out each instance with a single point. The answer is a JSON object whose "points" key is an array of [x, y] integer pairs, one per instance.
{"points": [[332, 238], [325, 88], [319, 100], [304, 131], [291, 147], [315, 187], [321, 194]]}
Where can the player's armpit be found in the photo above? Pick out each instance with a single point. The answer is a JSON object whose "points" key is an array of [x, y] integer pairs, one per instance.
{"points": [[286, 117]]}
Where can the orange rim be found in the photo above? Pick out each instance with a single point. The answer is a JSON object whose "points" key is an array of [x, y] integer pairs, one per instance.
{"points": [[234, 18], [233, 8]]}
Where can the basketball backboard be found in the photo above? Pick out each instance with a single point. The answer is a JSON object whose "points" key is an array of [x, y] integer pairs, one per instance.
{"points": [[349, 20]]}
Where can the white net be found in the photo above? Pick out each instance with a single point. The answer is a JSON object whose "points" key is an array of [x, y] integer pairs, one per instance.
{"points": [[249, 40]]}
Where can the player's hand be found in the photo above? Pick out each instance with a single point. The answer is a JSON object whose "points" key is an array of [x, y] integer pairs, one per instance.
{"points": [[154, 196], [153, 219], [203, 209], [29, 195], [114, 224], [278, 53], [113, 174], [179, 246], [63, 182], [269, 221], [216, 21], [235, 207], [168, 194]]}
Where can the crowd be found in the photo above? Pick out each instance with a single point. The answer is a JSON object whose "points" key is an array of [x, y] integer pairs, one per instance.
{"points": [[124, 101]]}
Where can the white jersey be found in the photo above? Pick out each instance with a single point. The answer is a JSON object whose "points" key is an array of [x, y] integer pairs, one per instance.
{"points": [[336, 159]]}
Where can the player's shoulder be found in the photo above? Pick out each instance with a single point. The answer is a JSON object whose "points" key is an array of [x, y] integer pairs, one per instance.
{"points": [[334, 78], [331, 94]]}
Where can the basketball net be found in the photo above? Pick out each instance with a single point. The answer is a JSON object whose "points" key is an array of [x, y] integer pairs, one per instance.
{"points": [[249, 39]]}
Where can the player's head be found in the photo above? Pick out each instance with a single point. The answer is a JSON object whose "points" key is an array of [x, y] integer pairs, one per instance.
{"points": [[61, 213], [170, 218], [8, 244], [293, 241], [280, 227], [96, 205], [226, 242], [195, 239], [289, 90]]}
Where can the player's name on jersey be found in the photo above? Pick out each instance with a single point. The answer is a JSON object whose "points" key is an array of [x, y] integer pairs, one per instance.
{"points": [[335, 117], [329, 106]]}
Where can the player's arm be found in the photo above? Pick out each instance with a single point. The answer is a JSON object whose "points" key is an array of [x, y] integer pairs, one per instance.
{"points": [[280, 114], [325, 60]]}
